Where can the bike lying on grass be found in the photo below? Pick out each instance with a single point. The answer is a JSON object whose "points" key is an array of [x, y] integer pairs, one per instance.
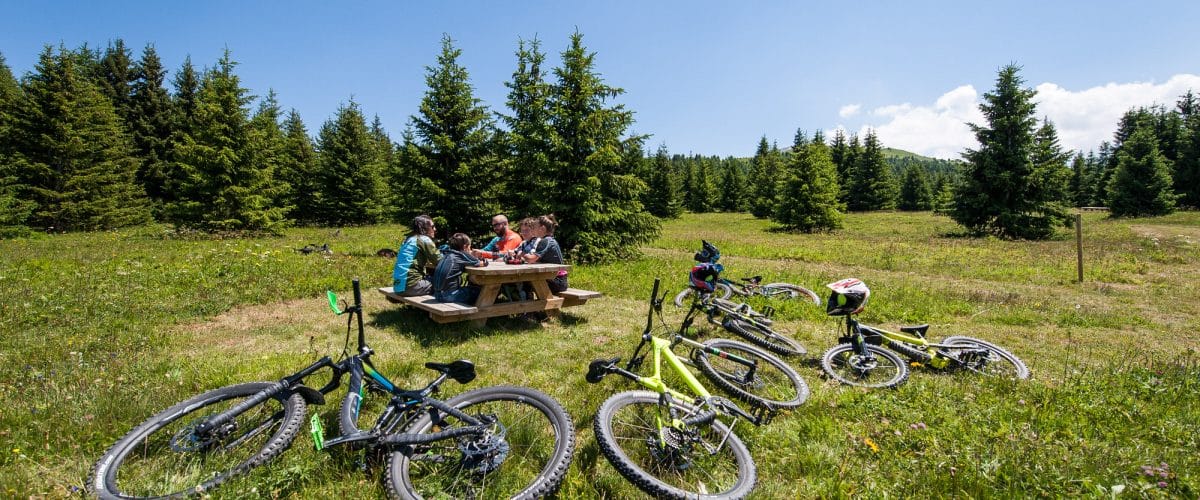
{"points": [[725, 288], [671, 444], [860, 359], [494, 442], [709, 270], [747, 323]]}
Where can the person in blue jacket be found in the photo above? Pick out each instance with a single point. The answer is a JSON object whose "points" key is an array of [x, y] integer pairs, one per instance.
{"points": [[416, 254], [448, 278]]}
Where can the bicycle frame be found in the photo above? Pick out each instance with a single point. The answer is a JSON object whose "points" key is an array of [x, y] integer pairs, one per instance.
{"points": [[404, 405], [913, 346], [663, 350]]}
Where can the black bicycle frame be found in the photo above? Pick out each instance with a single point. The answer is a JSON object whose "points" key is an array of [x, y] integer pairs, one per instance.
{"points": [[402, 407]]}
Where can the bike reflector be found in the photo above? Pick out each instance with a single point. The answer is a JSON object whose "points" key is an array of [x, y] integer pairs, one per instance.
{"points": [[333, 302]]}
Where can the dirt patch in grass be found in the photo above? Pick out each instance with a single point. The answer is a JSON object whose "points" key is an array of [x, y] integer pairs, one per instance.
{"points": [[1189, 235]]}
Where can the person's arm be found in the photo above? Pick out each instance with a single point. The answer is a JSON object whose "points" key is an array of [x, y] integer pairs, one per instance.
{"points": [[432, 255], [535, 254]]}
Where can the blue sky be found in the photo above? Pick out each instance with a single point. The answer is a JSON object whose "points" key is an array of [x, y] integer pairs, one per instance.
{"points": [[702, 77]]}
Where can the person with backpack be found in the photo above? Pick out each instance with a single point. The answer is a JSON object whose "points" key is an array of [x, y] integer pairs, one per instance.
{"points": [[448, 283]]}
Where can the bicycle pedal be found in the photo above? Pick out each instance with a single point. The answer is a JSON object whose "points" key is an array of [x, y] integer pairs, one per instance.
{"points": [[598, 368]]}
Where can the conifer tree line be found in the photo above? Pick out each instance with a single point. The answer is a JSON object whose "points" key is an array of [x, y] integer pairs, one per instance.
{"points": [[98, 139]]}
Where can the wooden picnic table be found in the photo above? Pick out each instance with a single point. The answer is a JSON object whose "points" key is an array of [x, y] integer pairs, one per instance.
{"points": [[491, 280]]}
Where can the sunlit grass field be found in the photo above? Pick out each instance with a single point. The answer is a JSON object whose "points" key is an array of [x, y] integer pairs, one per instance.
{"points": [[101, 330]]}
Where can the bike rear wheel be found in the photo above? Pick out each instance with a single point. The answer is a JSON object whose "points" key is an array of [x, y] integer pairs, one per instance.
{"points": [[763, 336], [998, 363], [164, 456], [882, 368], [525, 455], [774, 384], [679, 464], [790, 291]]}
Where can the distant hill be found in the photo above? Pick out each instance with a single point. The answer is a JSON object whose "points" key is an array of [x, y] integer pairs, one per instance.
{"points": [[890, 153]]}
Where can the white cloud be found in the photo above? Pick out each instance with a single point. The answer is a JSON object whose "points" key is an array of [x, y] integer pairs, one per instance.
{"points": [[1083, 118], [849, 110]]}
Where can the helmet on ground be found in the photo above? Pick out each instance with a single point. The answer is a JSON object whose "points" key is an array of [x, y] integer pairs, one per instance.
{"points": [[704, 276], [708, 254], [849, 296]]}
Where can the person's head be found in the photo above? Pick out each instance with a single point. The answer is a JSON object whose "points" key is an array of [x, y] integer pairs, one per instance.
{"points": [[422, 224], [460, 242], [548, 223], [529, 227], [500, 224]]}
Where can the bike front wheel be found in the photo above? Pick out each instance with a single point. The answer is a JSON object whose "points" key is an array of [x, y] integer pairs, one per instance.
{"points": [[165, 456], [701, 461], [879, 367], [763, 336], [789, 291], [770, 384], [998, 362], [524, 455]]}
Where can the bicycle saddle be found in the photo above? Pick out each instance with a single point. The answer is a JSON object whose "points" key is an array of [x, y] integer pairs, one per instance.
{"points": [[462, 371], [919, 330]]}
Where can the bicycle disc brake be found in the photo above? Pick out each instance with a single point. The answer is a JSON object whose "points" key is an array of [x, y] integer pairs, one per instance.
{"points": [[484, 453], [186, 440]]}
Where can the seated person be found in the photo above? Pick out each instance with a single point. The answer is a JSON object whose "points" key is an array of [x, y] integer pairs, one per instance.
{"points": [[415, 255], [506, 240], [546, 250], [448, 277]]}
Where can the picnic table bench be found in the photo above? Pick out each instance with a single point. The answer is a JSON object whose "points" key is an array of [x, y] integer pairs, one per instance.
{"points": [[491, 279]]}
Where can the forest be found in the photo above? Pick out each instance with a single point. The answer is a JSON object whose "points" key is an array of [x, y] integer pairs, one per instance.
{"points": [[95, 139]]}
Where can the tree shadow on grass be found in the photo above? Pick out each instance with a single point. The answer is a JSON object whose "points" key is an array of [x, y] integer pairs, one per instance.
{"points": [[417, 325]]}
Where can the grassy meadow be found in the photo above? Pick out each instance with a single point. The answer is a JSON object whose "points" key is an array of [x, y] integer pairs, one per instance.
{"points": [[101, 330]]}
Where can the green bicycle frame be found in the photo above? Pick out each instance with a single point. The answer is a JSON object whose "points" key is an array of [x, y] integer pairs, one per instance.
{"points": [[661, 348], [936, 360]]}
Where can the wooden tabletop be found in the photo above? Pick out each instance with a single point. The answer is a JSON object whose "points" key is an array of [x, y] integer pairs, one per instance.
{"points": [[499, 268]]}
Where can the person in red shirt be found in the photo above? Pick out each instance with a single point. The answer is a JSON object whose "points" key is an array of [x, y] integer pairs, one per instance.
{"points": [[506, 240]]}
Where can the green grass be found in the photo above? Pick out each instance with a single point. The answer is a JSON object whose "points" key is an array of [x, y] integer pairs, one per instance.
{"points": [[101, 330]]}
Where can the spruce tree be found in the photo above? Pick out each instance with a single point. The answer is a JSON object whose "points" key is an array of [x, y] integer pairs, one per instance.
{"points": [[71, 152], [350, 188], [733, 186], [150, 124], [530, 133], [915, 193], [1077, 188], [116, 78], [298, 171], [1004, 188], [663, 197], [808, 198], [596, 199], [266, 150], [388, 159], [1186, 177], [456, 166], [701, 192], [222, 185], [14, 208], [1050, 178], [1141, 184], [871, 184], [765, 170]]}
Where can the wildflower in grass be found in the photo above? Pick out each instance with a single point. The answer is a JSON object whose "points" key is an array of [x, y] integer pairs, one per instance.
{"points": [[874, 447], [1162, 484]]}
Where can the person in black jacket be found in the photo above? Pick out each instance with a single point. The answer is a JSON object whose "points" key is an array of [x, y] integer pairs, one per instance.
{"points": [[448, 278]]}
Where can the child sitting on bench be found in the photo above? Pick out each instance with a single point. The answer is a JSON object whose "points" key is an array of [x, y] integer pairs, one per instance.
{"points": [[449, 276]]}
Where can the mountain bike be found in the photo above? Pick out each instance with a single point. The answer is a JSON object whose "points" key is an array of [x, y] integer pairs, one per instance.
{"points": [[494, 442], [751, 325], [860, 359], [671, 444], [725, 288]]}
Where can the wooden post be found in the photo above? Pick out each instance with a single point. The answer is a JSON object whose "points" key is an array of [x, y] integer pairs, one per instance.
{"points": [[1079, 246]]}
